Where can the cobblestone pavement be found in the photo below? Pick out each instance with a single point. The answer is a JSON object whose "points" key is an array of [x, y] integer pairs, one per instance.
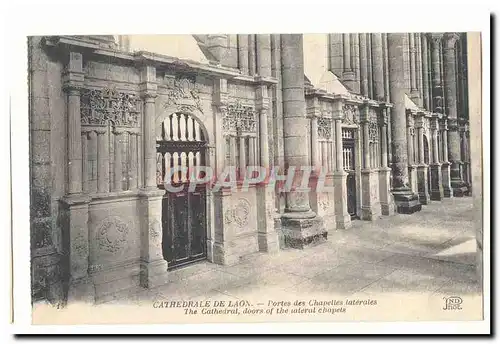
{"points": [[431, 252]]}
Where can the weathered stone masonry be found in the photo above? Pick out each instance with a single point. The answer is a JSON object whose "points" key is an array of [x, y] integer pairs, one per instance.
{"points": [[390, 133]]}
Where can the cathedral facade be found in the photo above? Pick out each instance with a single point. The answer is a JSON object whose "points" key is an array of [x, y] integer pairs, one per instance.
{"points": [[381, 119]]}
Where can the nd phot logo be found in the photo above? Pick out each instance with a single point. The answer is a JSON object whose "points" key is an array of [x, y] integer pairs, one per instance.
{"points": [[452, 303]]}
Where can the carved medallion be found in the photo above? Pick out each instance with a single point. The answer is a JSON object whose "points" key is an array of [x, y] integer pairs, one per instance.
{"points": [[241, 212], [112, 234]]}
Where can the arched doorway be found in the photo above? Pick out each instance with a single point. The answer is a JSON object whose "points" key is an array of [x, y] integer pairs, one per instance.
{"points": [[181, 146], [427, 161]]}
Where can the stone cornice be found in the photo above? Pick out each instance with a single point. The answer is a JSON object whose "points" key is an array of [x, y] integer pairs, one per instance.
{"points": [[80, 43], [352, 99]]}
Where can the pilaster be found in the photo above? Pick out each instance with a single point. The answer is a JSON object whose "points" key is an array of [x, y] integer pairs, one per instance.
{"points": [[370, 207], [422, 168], [268, 217], [342, 217], [153, 267], [75, 218], [387, 205], [445, 164], [437, 192]]}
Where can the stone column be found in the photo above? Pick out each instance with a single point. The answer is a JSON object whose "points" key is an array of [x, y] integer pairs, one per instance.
{"points": [[425, 74], [343, 219], [418, 66], [243, 53], [406, 201], [422, 168], [437, 192], [355, 61], [133, 160], [386, 200], [445, 164], [102, 161], [153, 267], [370, 206], [268, 216], [378, 67], [414, 94], [242, 156], [314, 142], [370, 65], [363, 64], [118, 166], [437, 90], [300, 224], [264, 55], [412, 166], [75, 204], [348, 76], [251, 55], [457, 183]]}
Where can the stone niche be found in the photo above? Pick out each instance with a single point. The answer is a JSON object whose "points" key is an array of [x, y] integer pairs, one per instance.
{"points": [[114, 245]]}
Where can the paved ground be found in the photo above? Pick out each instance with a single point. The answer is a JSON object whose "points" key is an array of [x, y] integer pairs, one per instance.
{"points": [[430, 252]]}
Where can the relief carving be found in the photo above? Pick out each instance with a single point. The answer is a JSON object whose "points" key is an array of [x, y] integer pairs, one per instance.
{"points": [[373, 126], [155, 232], [241, 212], [324, 128], [99, 107], [324, 204], [79, 244], [238, 117], [112, 234], [184, 94], [351, 115]]}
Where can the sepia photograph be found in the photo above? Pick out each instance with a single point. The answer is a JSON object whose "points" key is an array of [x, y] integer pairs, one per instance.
{"points": [[190, 171], [242, 178]]}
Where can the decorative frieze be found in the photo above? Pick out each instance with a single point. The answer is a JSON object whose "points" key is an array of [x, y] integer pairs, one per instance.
{"points": [[183, 93], [324, 128], [239, 118], [101, 106]]}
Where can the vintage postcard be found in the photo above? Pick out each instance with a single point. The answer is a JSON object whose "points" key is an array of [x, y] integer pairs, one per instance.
{"points": [[255, 177]]}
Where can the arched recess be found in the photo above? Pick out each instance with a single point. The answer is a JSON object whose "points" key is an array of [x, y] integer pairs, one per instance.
{"points": [[182, 142]]}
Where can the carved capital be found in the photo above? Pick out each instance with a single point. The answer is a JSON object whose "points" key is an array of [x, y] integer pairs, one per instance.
{"points": [[452, 124], [410, 119], [435, 39], [73, 82], [148, 90], [449, 39]]}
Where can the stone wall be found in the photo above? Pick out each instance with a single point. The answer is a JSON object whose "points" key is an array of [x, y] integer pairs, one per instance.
{"points": [[47, 170]]}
